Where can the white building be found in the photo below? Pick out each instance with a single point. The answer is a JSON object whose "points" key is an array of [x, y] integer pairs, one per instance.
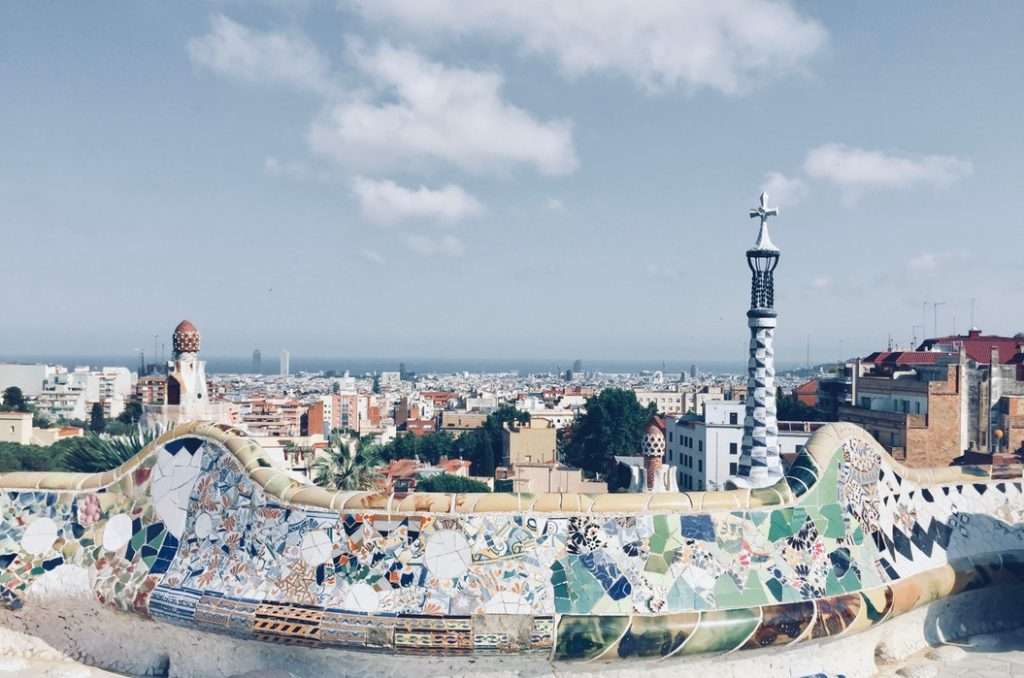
{"points": [[115, 388], [66, 395], [286, 366], [705, 451], [29, 378], [669, 403]]}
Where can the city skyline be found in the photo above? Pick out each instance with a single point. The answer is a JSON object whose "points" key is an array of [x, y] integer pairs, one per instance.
{"points": [[202, 163]]}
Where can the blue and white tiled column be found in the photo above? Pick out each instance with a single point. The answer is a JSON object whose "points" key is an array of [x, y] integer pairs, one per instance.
{"points": [[760, 463]]}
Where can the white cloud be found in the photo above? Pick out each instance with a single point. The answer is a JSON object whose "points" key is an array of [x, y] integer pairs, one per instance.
{"points": [[822, 282], [661, 44], [446, 245], [856, 170], [373, 256], [783, 191], [385, 201], [554, 204], [425, 111], [239, 52]]}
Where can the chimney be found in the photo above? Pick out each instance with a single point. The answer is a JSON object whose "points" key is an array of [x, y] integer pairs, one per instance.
{"points": [[652, 464]]}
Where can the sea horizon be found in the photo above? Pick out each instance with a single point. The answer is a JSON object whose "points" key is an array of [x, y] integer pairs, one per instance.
{"points": [[358, 366]]}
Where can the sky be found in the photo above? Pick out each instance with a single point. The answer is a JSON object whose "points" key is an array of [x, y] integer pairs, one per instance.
{"points": [[486, 179]]}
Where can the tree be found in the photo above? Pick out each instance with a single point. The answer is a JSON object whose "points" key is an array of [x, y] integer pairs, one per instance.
{"points": [[445, 482], [613, 425], [481, 446], [95, 453], [14, 400], [96, 421], [484, 463], [15, 457], [376, 383], [342, 468], [132, 413], [789, 408]]}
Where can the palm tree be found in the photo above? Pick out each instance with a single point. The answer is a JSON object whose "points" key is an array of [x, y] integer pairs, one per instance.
{"points": [[341, 468], [95, 453]]}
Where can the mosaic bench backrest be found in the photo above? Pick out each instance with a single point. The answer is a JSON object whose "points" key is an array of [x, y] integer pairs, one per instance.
{"points": [[197, 531]]}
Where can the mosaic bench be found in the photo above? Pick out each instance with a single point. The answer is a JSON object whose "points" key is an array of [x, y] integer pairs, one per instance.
{"points": [[198, 531]]}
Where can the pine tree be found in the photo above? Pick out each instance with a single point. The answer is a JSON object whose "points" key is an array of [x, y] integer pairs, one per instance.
{"points": [[97, 423]]}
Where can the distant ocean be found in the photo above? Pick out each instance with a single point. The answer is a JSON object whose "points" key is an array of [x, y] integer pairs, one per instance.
{"points": [[361, 366]]}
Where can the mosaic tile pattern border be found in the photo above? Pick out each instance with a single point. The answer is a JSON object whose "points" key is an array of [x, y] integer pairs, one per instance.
{"points": [[197, 532]]}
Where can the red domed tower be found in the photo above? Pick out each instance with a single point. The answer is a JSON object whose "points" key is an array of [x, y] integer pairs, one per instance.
{"points": [[186, 338]]}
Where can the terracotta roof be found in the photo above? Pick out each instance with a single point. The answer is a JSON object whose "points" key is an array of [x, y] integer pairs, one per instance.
{"points": [[979, 346], [454, 465], [402, 468], [809, 387], [906, 357]]}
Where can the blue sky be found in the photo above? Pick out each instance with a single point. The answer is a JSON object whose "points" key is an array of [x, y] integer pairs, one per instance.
{"points": [[487, 179]]}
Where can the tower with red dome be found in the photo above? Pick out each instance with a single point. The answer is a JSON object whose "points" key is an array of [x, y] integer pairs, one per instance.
{"points": [[185, 338], [186, 396], [186, 374]]}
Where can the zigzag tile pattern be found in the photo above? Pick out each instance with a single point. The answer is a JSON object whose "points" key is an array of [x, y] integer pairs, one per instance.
{"points": [[760, 460]]}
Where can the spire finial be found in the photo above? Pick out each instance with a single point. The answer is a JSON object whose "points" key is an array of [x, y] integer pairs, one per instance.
{"points": [[763, 211]]}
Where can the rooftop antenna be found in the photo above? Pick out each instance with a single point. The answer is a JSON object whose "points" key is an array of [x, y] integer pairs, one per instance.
{"points": [[972, 313], [913, 331], [935, 316], [808, 351]]}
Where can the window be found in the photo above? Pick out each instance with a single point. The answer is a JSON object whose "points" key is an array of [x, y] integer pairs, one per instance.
{"points": [[700, 445], [700, 466], [670, 436], [732, 469], [733, 418], [865, 402], [732, 448]]}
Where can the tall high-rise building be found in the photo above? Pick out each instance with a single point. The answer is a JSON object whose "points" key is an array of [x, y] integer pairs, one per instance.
{"points": [[577, 366], [257, 361], [285, 363], [760, 463], [693, 371]]}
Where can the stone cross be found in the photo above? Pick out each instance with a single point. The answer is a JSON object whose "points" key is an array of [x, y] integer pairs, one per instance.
{"points": [[763, 211]]}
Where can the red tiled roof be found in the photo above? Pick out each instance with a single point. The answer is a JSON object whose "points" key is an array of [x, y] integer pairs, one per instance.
{"points": [[906, 357], [402, 468], [809, 387], [979, 346], [454, 465]]}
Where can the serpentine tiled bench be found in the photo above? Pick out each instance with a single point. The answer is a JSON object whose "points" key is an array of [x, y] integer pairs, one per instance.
{"points": [[198, 531]]}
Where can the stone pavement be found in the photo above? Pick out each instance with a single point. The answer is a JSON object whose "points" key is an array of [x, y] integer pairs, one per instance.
{"points": [[997, 655]]}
